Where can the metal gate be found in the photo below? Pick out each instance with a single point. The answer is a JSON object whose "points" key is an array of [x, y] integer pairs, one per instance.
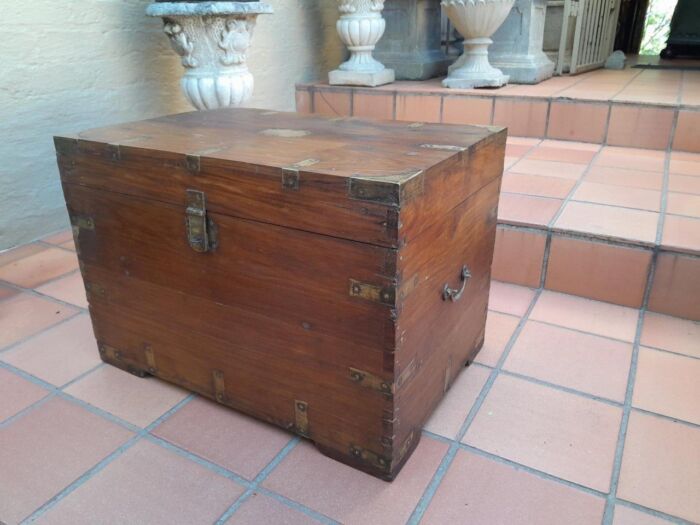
{"points": [[594, 33]]}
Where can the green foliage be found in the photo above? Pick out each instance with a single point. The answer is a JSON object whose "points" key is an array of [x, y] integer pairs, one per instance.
{"points": [[657, 26]]}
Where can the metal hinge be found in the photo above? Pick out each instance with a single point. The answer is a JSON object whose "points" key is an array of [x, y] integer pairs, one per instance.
{"points": [[82, 222], [371, 292], [301, 417], [201, 231], [371, 381], [219, 385], [367, 456]]}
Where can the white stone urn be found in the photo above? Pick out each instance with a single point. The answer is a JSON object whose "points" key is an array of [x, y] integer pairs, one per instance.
{"points": [[213, 40], [476, 20], [360, 27]]}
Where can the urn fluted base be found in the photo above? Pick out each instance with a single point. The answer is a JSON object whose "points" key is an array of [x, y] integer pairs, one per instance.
{"points": [[472, 69], [360, 27], [220, 90]]}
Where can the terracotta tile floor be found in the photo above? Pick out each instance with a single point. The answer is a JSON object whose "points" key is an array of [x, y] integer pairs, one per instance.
{"points": [[576, 411], [642, 197]]}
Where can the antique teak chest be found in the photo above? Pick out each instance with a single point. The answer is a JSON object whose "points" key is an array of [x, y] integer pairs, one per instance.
{"points": [[327, 275]]}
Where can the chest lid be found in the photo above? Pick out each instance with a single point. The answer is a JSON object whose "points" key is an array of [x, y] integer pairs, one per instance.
{"points": [[346, 177]]}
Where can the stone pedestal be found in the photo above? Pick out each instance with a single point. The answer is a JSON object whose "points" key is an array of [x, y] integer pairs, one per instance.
{"points": [[360, 27], [213, 40], [476, 21], [411, 43], [517, 45]]}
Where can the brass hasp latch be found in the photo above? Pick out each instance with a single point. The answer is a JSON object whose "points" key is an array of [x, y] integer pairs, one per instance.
{"points": [[201, 230]]}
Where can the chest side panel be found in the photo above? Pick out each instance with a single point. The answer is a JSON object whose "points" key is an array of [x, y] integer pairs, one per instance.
{"points": [[436, 334]]}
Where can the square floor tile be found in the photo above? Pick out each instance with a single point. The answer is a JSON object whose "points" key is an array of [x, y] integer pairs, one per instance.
{"points": [[660, 466], [683, 204], [685, 163], [40, 267], [671, 333], [562, 154], [138, 400], [260, 509], [48, 448], [499, 329], [566, 435], [23, 315], [538, 185], [583, 121], [681, 233], [373, 105], [595, 317], [627, 178], [527, 210], [687, 130], [17, 394], [418, 108], [510, 298], [563, 170], [483, 491], [450, 414], [587, 363], [628, 516], [58, 355], [467, 110], [668, 384], [676, 286], [147, 484], [60, 237], [640, 126], [332, 103], [7, 291], [639, 198], [69, 289], [522, 117], [68, 245], [631, 158], [350, 496], [20, 252], [518, 256], [609, 222], [598, 270], [223, 436], [684, 184]]}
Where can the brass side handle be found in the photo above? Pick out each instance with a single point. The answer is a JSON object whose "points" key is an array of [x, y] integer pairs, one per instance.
{"points": [[453, 294]]}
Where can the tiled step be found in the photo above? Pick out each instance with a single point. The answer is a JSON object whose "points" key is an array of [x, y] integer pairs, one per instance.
{"points": [[610, 223], [620, 225], [629, 108]]}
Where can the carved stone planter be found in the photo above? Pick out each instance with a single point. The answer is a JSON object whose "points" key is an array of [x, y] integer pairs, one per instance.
{"points": [[213, 40], [360, 27], [476, 20]]}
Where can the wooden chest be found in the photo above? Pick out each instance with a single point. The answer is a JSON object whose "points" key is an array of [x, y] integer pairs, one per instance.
{"points": [[329, 276]]}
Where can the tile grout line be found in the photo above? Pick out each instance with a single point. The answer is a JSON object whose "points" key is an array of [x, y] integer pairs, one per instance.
{"points": [[627, 406], [227, 473], [448, 458], [255, 486], [572, 191], [102, 464]]}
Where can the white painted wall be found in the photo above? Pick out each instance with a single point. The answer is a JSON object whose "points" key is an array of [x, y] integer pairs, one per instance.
{"points": [[70, 65]]}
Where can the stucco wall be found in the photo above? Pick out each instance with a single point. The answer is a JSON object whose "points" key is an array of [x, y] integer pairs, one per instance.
{"points": [[76, 64]]}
